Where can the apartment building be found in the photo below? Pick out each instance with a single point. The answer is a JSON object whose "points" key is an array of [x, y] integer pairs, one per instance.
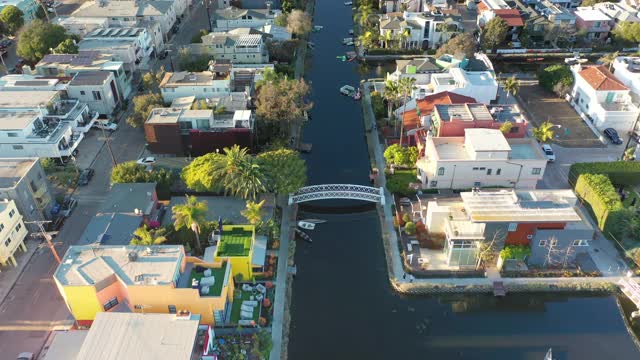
{"points": [[97, 89], [231, 17], [132, 46], [12, 232], [238, 46], [23, 180]]}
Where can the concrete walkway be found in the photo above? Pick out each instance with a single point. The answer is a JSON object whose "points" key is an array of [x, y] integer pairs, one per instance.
{"points": [[10, 274]]}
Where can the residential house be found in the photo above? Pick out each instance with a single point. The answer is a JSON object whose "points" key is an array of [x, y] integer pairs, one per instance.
{"points": [[23, 82], [418, 30], [129, 13], [202, 85], [233, 18], [420, 116], [451, 120], [134, 46], [197, 132], [81, 26], [12, 232], [391, 6], [419, 69], [594, 23], [482, 158], [557, 15], [42, 124], [154, 279], [252, 4], [541, 219], [627, 70], [67, 65], [480, 85], [24, 181], [599, 96], [132, 332], [534, 22], [29, 8], [236, 245], [126, 207], [277, 33], [618, 12], [238, 46], [97, 89]]}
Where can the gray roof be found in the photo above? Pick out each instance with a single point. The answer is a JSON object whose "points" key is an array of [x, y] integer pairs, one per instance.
{"points": [[139, 336], [127, 197], [85, 78], [232, 13], [423, 65], [13, 170], [111, 229], [123, 8]]}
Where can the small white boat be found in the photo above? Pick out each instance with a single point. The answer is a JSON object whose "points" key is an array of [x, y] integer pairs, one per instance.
{"points": [[575, 60], [348, 3], [347, 40], [314, 221], [317, 27], [306, 225], [357, 96], [348, 90], [549, 355], [350, 32], [311, 45], [349, 43]]}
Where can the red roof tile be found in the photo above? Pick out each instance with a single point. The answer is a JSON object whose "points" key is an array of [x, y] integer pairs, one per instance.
{"points": [[511, 16], [426, 105], [600, 78]]}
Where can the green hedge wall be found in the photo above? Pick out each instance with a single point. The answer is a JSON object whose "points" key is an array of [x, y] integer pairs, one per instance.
{"points": [[619, 172], [598, 191]]}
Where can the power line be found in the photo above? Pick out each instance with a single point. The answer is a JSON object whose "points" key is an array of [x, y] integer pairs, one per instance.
{"points": [[47, 237]]}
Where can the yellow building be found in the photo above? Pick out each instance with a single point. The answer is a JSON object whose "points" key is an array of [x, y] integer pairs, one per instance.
{"points": [[150, 279], [12, 232], [236, 245]]}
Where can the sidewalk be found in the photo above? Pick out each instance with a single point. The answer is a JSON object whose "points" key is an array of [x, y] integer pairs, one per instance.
{"points": [[9, 275]]}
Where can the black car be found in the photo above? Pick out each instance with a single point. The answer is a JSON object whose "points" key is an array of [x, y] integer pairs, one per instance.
{"points": [[612, 134], [5, 43], [163, 55], [85, 176]]}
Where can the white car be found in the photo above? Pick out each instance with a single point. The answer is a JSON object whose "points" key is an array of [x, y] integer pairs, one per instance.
{"points": [[548, 153], [149, 160], [108, 126]]}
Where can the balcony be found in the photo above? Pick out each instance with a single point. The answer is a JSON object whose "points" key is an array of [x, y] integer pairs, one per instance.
{"points": [[464, 230], [49, 129]]}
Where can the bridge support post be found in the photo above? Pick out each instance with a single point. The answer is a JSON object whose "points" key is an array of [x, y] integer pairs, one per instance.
{"points": [[382, 195]]}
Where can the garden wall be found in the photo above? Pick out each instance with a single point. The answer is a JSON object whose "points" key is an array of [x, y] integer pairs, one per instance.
{"points": [[619, 172], [598, 191]]}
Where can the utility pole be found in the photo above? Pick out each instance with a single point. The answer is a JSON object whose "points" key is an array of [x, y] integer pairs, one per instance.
{"points": [[47, 237], [108, 142], [206, 4]]}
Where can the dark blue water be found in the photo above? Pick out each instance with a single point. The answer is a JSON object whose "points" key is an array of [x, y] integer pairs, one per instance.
{"points": [[343, 306]]}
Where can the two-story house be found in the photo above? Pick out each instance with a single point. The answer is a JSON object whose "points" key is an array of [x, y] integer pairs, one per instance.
{"points": [[451, 120], [420, 116], [202, 85], [12, 232], [418, 30], [594, 23], [618, 12], [482, 158], [598, 95], [97, 89], [29, 8], [23, 180], [627, 70], [233, 18], [133, 45], [242, 45]]}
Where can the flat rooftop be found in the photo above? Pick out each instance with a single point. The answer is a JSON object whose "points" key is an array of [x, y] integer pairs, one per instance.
{"points": [[164, 116], [521, 206], [26, 99], [463, 112], [185, 78], [127, 197], [236, 240], [591, 14], [16, 120], [486, 139], [453, 148], [116, 336], [89, 78], [88, 265], [12, 170], [123, 8], [504, 113]]}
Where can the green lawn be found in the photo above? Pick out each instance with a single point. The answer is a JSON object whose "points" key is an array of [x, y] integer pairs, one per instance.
{"points": [[235, 242], [218, 274], [237, 303], [398, 183]]}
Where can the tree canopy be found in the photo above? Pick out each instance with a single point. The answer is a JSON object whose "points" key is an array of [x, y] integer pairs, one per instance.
{"points": [[283, 100], [591, 2], [462, 43], [144, 236], [142, 106], [37, 38], [543, 133], [627, 31], [253, 212], [12, 19], [551, 75], [66, 47], [284, 170], [298, 22], [191, 215], [132, 172], [494, 33], [151, 80]]}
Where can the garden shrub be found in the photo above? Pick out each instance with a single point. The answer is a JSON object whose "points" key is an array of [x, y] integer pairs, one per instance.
{"points": [[377, 102], [517, 252], [619, 172], [403, 156], [598, 191], [410, 228], [551, 75]]}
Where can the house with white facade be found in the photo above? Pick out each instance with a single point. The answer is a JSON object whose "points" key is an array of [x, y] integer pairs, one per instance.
{"points": [[603, 99], [81, 26], [482, 158], [555, 13], [233, 18], [242, 45], [12, 232], [133, 45], [202, 85], [97, 89], [489, 9], [627, 70], [618, 12], [594, 23], [23, 82], [278, 33], [42, 124], [418, 30], [480, 85]]}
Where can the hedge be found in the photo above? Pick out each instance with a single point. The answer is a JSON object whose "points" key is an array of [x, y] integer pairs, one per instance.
{"points": [[619, 172], [517, 252], [598, 191]]}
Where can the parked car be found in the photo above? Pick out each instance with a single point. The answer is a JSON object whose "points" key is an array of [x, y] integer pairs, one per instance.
{"points": [[612, 134], [163, 55], [548, 153], [5, 43], [68, 206], [149, 160], [25, 356], [85, 176], [108, 126]]}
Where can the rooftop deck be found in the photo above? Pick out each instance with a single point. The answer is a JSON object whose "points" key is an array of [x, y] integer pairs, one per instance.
{"points": [[236, 241]]}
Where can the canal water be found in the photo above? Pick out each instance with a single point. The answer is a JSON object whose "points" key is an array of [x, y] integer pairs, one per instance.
{"points": [[343, 306]]}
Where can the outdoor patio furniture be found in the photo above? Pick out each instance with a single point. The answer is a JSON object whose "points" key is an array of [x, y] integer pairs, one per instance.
{"points": [[245, 307], [261, 288], [259, 297], [207, 272], [246, 287], [250, 302], [208, 281], [204, 290], [246, 314], [194, 283]]}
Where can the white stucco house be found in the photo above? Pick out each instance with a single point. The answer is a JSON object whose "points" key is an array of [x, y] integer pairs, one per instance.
{"points": [[627, 70], [421, 30], [602, 98]]}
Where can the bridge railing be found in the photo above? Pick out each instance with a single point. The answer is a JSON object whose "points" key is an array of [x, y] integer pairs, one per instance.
{"points": [[337, 191]]}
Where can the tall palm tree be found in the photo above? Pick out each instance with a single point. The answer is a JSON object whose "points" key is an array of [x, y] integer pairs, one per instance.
{"points": [[544, 133], [143, 236], [405, 87], [253, 212], [362, 15], [511, 85], [191, 215], [403, 38], [607, 60], [239, 173], [387, 38], [366, 39], [390, 94]]}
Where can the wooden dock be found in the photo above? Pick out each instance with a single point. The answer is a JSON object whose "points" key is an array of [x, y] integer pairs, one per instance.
{"points": [[498, 289], [304, 147]]}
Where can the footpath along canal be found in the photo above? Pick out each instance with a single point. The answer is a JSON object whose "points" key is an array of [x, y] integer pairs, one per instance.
{"points": [[343, 306]]}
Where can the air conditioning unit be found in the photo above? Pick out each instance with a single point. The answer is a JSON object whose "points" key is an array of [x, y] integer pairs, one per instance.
{"points": [[529, 237]]}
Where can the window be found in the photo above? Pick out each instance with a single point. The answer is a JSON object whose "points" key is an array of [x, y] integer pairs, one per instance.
{"points": [[580, 243], [185, 125], [1, 227], [441, 171], [203, 124], [514, 129], [554, 242], [489, 171], [7, 242], [434, 184], [138, 307], [18, 227], [12, 134], [483, 168], [542, 243], [536, 171], [172, 309], [477, 184], [110, 304], [18, 147], [498, 171], [97, 95], [475, 168], [512, 227], [12, 212], [82, 92]]}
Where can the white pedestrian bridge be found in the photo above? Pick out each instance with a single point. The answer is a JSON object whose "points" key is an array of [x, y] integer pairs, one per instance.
{"points": [[337, 191]]}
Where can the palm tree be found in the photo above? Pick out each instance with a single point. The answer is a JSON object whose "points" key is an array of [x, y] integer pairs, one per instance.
{"points": [[239, 173], [511, 86], [607, 60], [362, 15], [544, 133], [145, 237], [366, 39], [253, 212], [191, 215], [403, 37], [391, 95], [387, 37], [405, 87]]}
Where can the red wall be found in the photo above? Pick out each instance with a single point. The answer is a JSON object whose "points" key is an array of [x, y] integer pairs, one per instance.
{"points": [[456, 128], [519, 237], [203, 142]]}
